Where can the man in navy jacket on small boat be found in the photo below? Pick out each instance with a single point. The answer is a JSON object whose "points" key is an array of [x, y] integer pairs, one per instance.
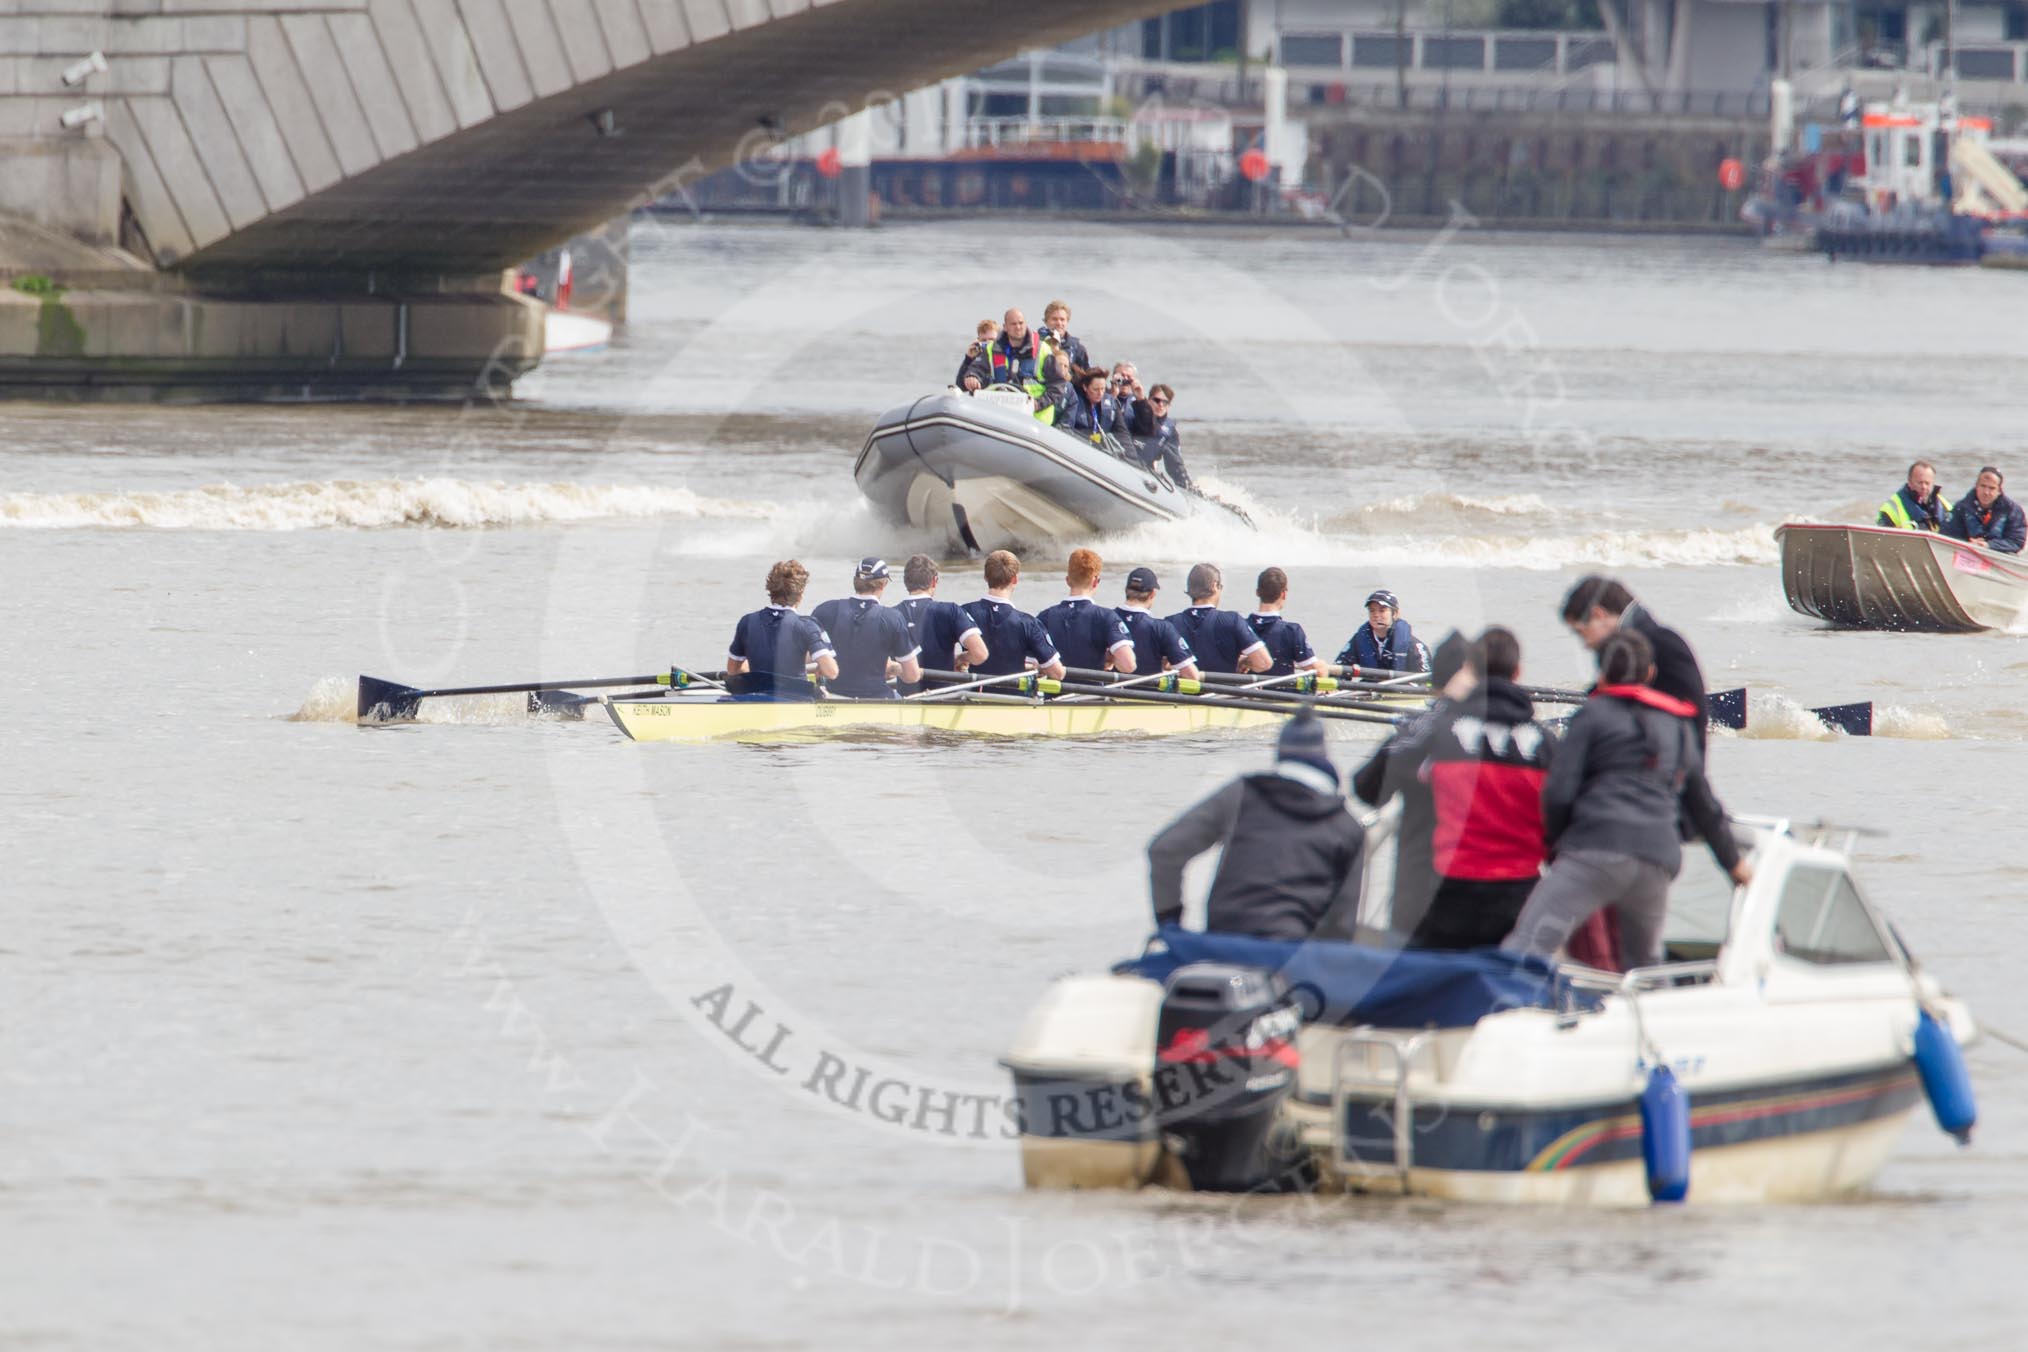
{"points": [[1916, 505], [1294, 854], [1988, 518]]}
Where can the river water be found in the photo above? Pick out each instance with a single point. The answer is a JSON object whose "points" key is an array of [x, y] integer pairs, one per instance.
{"points": [[323, 1037]]}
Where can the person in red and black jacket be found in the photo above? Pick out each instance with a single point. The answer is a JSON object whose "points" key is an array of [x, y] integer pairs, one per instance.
{"points": [[1485, 768]]}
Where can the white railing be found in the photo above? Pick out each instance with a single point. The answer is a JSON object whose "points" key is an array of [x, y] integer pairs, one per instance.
{"points": [[1016, 131]]}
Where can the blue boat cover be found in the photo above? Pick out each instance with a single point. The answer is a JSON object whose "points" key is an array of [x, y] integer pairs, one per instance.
{"points": [[1347, 984]]}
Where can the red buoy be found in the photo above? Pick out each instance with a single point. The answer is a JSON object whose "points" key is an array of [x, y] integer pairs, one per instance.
{"points": [[1731, 174], [829, 162], [1253, 165]]}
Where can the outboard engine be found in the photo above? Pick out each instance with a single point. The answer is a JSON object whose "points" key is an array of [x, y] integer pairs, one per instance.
{"points": [[1225, 1059]]}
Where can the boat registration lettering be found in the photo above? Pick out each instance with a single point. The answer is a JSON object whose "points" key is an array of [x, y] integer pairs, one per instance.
{"points": [[827, 710], [1965, 561], [652, 710]]}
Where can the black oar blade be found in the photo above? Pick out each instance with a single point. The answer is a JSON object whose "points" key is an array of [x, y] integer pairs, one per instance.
{"points": [[1728, 708], [386, 701], [558, 703], [1854, 720]]}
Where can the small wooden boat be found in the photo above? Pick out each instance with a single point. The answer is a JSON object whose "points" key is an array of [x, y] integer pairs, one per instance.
{"points": [[1878, 577]]}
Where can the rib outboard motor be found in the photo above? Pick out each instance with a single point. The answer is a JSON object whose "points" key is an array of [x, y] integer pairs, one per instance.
{"points": [[1225, 1059]]}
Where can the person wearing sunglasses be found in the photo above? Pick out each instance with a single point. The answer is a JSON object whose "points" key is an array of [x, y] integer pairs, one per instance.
{"points": [[1160, 442]]}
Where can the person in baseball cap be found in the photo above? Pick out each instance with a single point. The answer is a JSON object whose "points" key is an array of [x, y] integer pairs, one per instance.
{"points": [[1294, 872], [1158, 645], [871, 642], [1384, 642]]}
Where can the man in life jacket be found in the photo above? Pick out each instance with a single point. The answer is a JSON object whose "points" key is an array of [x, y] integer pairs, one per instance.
{"points": [[1221, 640], [1384, 642], [1988, 518], [1396, 769], [947, 637], [1087, 634], [1013, 637], [1294, 855], [1916, 505], [1157, 645], [1288, 647], [1595, 609], [1486, 762], [870, 642], [773, 648], [1018, 357]]}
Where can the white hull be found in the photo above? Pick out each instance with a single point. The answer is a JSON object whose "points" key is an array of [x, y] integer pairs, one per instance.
{"points": [[1797, 1066]]}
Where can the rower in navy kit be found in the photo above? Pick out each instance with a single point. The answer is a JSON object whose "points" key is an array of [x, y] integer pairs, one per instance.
{"points": [[869, 639], [1087, 634], [1156, 642], [1221, 640], [1288, 646], [773, 648], [948, 637], [1012, 636]]}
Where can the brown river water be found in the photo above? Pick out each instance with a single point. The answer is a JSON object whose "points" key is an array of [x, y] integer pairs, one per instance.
{"points": [[315, 1036]]}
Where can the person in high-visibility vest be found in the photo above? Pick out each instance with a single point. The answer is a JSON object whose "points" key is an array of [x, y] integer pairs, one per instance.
{"points": [[1916, 505], [1018, 357]]}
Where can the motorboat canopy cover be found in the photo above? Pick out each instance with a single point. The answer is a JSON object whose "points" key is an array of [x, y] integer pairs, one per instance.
{"points": [[1390, 988]]}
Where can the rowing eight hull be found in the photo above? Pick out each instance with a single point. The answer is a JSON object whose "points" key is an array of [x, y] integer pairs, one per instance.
{"points": [[690, 720]]}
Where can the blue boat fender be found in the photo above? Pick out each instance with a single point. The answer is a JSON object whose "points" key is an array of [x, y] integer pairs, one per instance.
{"points": [[1665, 1136], [1941, 1063]]}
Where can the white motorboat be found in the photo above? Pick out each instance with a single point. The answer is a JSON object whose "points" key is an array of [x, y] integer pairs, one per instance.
{"points": [[981, 470], [1774, 1056], [1878, 577]]}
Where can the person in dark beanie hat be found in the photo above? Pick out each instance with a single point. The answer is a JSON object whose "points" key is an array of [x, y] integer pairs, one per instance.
{"points": [[1294, 854], [1393, 769]]}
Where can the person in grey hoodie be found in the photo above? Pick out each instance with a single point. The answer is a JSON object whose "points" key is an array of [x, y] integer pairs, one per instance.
{"points": [[1294, 853], [1609, 810]]}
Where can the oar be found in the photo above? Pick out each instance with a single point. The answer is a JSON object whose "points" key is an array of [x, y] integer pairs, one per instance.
{"points": [[965, 682], [1348, 696], [1029, 683], [1322, 708], [388, 701]]}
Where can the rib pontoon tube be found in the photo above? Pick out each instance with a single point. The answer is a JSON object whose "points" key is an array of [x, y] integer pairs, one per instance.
{"points": [[1876, 577], [981, 470]]}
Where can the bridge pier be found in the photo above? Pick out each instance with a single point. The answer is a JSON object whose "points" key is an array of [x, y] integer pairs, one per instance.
{"points": [[75, 327]]}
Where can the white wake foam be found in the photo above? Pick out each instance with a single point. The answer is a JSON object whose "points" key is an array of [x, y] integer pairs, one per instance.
{"points": [[1772, 716], [370, 503], [1892, 720], [1282, 538]]}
